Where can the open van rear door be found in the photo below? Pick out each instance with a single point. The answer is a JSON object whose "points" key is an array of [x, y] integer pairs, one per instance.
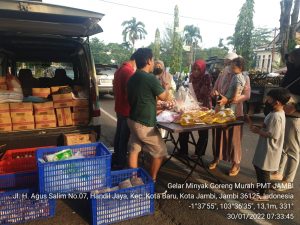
{"points": [[40, 18]]}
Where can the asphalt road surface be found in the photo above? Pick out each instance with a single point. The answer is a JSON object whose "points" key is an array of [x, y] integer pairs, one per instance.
{"points": [[219, 200]]}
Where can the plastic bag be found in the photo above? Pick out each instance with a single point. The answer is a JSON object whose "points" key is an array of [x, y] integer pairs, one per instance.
{"points": [[167, 116], [186, 100]]}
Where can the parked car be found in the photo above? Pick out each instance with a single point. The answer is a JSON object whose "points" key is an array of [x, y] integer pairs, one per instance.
{"points": [[105, 77], [37, 35]]}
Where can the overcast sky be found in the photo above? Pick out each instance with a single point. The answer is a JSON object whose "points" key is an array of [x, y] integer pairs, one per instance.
{"points": [[215, 18]]}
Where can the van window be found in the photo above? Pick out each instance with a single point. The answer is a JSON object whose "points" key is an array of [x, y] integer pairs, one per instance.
{"points": [[42, 69]]}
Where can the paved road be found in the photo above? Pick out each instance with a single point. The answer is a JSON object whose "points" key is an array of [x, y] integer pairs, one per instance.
{"points": [[228, 207]]}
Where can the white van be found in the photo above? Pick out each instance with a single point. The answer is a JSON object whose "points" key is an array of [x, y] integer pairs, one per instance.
{"points": [[42, 38]]}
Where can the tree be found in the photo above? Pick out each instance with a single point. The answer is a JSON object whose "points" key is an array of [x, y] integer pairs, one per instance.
{"points": [[261, 37], [98, 50], [156, 47], [133, 31], [243, 31], [192, 37], [222, 45], [294, 20], [286, 7], [176, 44]]}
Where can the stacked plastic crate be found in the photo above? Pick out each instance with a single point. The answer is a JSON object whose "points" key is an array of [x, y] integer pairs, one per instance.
{"points": [[92, 174], [18, 186]]}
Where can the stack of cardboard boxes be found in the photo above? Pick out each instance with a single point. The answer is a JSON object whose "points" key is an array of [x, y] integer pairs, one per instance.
{"points": [[63, 111], [44, 115], [80, 114], [22, 116], [5, 120], [62, 104], [41, 92], [3, 85]]}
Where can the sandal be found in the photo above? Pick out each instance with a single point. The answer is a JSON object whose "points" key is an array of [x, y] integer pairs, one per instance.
{"points": [[213, 164], [235, 169]]}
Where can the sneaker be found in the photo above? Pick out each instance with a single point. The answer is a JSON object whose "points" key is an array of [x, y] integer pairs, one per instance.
{"points": [[283, 186], [235, 169], [159, 189], [276, 176], [213, 164], [260, 198]]}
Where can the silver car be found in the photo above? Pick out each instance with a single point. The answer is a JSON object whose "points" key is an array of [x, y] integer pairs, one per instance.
{"points": [[105, 77]]}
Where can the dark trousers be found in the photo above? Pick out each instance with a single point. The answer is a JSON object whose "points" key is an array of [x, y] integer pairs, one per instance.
{"points": [[263, 178], [201, 144], [121, 141]]}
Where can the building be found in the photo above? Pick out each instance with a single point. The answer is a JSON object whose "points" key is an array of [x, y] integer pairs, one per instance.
{"points": [[268, 56]]}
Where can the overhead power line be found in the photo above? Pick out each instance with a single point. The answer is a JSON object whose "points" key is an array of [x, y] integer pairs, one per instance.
{"points": [[168, 14]]}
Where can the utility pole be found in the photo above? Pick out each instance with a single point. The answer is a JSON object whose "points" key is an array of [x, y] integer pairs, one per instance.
{"points": [[273, 49]]}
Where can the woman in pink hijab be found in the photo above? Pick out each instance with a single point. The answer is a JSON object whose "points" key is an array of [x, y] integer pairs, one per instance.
{"points": [[201, 83]]}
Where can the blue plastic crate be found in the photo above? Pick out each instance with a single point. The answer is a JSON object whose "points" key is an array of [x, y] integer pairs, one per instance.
{"points": [[16, 205], [136, 202], [75, 175]]}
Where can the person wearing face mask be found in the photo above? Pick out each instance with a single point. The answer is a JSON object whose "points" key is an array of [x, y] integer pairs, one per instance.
{"points": [[201, 83], [291, 149], [271, 137], [165, 78], [122, 108]]}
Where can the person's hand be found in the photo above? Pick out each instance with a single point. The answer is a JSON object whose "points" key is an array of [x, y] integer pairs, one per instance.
{"points": [[223, 100], [167, 86], [255, 129], [214, 93], [289, 109]]}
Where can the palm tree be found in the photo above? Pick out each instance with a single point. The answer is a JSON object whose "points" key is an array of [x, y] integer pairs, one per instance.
{"points": [[192, 37], [133, 31]]}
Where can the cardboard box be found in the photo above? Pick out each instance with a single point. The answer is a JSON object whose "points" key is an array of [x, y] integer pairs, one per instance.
{"points": [[56, 88], [63, 100], [45, 108], [25, 122], [81, 110], [80, 122], [76, 138], [5, 124], [4, 110], [45, 121], [64, 117], [41, 92], [21, 109], [81, 115], [81, 103], [2, 80]]}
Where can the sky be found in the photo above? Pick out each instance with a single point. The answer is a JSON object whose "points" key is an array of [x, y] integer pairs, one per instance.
{"points": [[215, 18]]}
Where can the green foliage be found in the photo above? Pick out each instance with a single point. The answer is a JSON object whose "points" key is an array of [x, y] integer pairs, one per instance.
{"points": [[133, 30], [243, 31], [261, 37], [210, 52], [111, 53]]}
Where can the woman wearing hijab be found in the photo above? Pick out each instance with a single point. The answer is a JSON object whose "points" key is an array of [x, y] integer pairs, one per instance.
{"points": [[201, 83], [164, 77]]}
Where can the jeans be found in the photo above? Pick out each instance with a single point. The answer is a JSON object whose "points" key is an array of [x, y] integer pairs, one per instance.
{"points": [[121, 141], [200, 146]]}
